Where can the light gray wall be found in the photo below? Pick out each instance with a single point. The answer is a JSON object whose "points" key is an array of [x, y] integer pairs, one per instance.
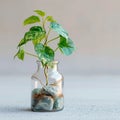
{"points": [[94, 25]]}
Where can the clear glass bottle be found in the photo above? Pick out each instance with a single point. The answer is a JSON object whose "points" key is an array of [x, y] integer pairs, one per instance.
{"points": [[47, 97]]}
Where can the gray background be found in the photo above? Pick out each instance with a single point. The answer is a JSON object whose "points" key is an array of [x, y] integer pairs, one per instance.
{"points": [[94, 25]]}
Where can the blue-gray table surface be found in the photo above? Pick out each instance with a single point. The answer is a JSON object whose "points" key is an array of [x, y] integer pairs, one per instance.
{"points": [[86, 98]]}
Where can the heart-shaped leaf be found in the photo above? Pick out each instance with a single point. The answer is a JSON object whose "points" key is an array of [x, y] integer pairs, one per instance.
{"points": [[45, 53], [36, 34], [20, 54], [40, 12], [50, 19], [58, 28], [66, 46], [32, 19]]}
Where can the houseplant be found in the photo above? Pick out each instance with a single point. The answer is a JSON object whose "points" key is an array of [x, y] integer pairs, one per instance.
{"points": [[47, 94]]}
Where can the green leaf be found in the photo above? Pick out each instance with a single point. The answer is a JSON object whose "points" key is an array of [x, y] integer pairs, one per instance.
{"points": [[66, 46], [36, 28], [39, 39], [58, 28], [32, 19], [22, 42], [20, 54], [35, 33], [45, 53], [31, 35], [50, 19], [40, 12]]}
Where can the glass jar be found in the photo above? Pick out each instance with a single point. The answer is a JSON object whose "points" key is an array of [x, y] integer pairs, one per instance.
{"points": [[47, 96]]}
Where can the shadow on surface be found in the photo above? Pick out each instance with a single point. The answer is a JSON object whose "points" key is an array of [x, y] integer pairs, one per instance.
{"points": [[13, 109]]}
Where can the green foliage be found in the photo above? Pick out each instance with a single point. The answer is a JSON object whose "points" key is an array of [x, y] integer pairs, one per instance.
{"points": [[22, 42], [58, 28], [50, 19], [36, 34], [36, 28], [66, 46], [32, 19], [33, 35], [45, 53], [39, 36], [40, 12], [20, 54]]}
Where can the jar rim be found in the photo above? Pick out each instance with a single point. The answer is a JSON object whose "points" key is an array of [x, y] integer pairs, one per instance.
{"points": [[55, 61]]}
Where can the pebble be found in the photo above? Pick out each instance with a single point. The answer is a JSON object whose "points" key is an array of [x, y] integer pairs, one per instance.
{"points": [[50, 90], [46, 99], [59, 103], [45, 103], [36, 91]]}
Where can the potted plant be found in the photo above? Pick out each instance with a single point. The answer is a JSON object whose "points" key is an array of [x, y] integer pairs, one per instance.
{"points": [[47, 82]]}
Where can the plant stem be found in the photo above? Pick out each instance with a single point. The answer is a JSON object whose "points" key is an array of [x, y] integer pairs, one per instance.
{"points": [[56, 49], [46, 74], [53, 39], [43, 21], [31, 54], [47, 36]]}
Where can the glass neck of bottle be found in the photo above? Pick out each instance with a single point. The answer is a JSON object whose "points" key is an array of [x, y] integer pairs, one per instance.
{"points": [[52, 69]]}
